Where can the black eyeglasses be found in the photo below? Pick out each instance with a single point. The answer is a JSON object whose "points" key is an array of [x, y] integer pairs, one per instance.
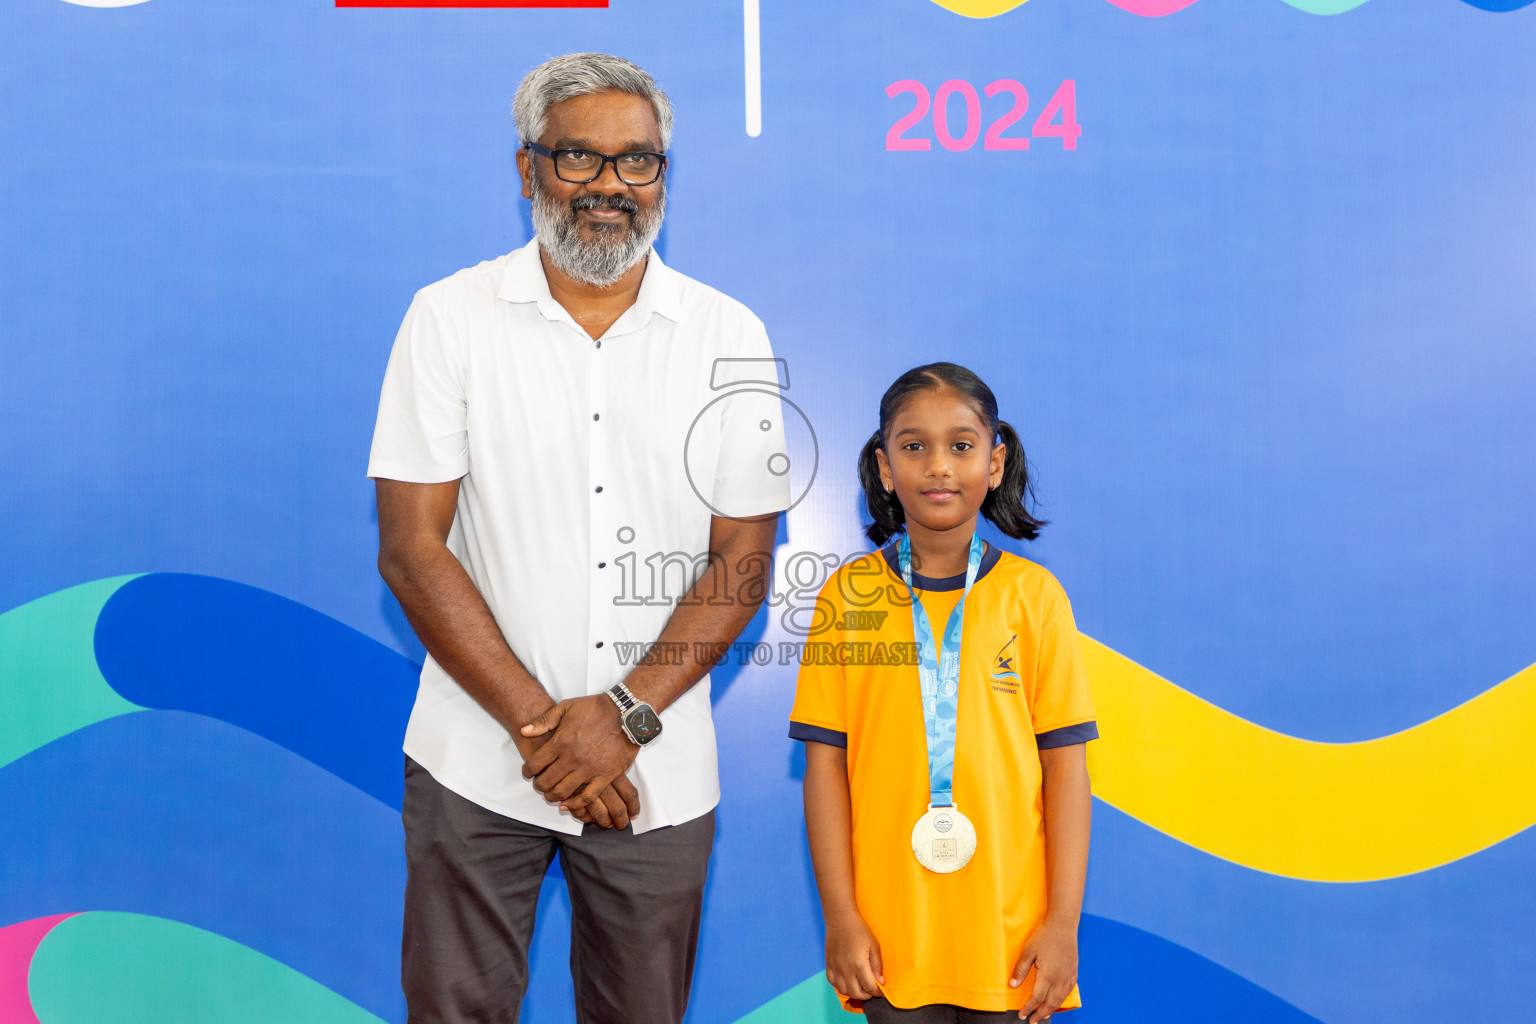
{"points": [[579, 166]]}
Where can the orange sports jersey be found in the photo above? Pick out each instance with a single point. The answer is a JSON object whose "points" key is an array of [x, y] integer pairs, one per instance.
{"points": [[947, 938]]}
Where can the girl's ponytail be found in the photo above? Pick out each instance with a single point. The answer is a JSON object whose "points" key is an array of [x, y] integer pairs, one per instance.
{"points": [[1008, 506], [884, 509]]}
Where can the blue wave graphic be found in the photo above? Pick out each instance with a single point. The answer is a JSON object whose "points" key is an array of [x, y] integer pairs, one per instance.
{"points": [[1499, 6], [273, 842], [1131, 975], [188, 818], [1357, 951], [267, 664]]}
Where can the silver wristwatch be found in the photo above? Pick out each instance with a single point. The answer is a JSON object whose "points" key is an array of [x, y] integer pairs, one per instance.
{"points": [[637, 718]]}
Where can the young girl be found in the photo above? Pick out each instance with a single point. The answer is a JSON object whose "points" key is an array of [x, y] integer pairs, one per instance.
{"points": [[946, 790]]}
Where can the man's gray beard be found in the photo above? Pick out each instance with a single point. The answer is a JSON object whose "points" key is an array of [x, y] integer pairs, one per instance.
{"points": [[613, 254]]}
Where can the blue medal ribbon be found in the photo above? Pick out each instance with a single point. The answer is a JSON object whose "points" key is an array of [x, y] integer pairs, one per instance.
{"points": [[938, 670]]}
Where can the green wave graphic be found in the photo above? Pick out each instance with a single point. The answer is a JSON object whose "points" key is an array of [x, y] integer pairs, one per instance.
{"points": [[1325, 7], [112, 968], [49, 683], [811, 1002]]}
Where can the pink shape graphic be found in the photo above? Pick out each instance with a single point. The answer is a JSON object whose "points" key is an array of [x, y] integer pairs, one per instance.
{"points": [[1152, 8], [18, 943]]}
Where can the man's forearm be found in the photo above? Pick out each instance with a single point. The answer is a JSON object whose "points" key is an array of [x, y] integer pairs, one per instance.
{"points": [[739, 571], [457, 628]]}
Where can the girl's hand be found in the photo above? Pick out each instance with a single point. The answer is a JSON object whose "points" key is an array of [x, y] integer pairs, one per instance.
{"points": [[1052, 951], [853, 956]]}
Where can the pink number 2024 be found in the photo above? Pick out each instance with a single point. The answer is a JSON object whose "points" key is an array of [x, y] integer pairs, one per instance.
{"points": [[1062, 106]]}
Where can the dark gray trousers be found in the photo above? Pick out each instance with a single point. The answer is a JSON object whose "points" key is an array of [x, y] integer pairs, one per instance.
{"points": [[472, 888]]}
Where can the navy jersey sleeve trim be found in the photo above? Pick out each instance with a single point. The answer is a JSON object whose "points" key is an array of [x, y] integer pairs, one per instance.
{"points": [[816, 734], [1067, 735]]}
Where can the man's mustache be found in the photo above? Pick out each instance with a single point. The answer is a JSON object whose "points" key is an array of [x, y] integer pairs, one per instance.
{"points": [[588, 201]]}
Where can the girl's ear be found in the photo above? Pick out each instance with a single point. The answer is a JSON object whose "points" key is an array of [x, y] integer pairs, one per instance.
{"points": [[886, 480], [999, 461]]}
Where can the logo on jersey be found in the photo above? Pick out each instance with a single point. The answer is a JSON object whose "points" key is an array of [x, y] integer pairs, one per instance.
{"points": [[1004, 678]]}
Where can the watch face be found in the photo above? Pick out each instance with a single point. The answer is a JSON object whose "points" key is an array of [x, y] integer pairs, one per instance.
{"points": [[643, 724]]}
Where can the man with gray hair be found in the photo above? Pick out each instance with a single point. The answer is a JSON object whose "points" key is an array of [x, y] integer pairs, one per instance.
{"points": [[547, 419]]}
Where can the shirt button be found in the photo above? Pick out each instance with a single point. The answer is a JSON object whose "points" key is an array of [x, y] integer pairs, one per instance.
{"points": [[598, 344], [602, 565], [599, 489], [599, 643], [595, 416]]}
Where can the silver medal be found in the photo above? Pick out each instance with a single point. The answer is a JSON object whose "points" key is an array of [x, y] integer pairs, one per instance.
{"points": [[943, 840]]}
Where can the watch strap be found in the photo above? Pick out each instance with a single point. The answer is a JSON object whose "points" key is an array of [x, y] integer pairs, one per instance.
{"points": [[620, 695]]}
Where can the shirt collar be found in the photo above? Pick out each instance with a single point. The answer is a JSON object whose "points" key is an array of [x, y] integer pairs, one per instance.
{"points": [[660, 292], [937, 583]]}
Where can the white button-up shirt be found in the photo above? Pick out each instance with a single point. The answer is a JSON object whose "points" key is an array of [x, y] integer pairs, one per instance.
{"points": [[588, 471]]}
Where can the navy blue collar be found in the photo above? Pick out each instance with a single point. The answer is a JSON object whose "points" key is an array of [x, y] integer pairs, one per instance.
{"points": [[935, 583]]}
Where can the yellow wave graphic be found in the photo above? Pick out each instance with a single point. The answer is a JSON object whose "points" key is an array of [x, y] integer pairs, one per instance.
{"points": [[1329, 812], [979, 8]]}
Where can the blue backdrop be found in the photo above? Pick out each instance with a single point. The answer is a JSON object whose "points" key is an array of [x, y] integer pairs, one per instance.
{"points": [[1266, 332]]}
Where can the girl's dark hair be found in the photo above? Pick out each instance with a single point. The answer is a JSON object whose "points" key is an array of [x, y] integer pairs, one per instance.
{"points": [[1006, 507]]}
